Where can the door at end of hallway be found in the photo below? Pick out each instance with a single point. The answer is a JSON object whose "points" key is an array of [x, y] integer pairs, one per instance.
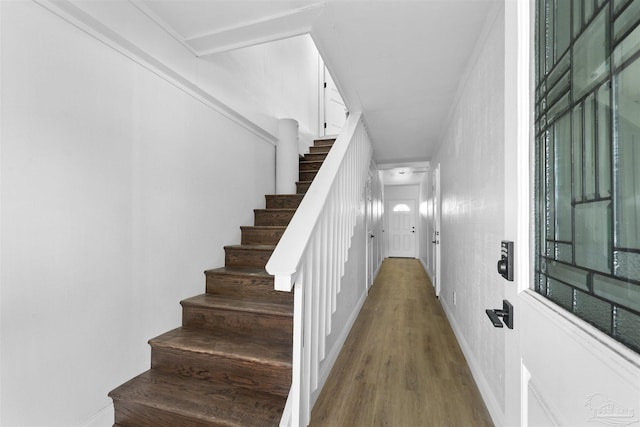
{"points": [[402, 228]]}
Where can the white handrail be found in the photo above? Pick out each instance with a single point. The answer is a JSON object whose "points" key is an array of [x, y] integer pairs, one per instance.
{"points": [[311, 258]]}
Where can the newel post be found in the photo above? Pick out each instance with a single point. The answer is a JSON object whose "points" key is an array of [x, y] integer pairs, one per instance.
{"points": [[287, 157]]}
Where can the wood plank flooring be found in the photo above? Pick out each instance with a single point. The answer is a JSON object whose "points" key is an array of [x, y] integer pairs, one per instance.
{"points": [[401, 364]]}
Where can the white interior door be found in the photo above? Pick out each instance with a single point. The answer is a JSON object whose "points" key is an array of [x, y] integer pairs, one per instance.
{"points": [[402, 228], [370, 233], [436, 229], [335, 111]]}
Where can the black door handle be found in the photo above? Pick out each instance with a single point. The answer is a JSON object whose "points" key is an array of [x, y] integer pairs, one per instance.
{"points": [[506, 313]]}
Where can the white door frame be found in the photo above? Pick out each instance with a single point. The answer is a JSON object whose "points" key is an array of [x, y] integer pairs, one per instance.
{"points": [[322, 97], [435, 241], [369, 231]]}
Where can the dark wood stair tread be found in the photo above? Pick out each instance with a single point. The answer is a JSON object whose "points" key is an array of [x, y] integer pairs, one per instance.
{"points": [[198, 401], [250, 349], [319, 149], [328, 142], [311, 163], [251, 247], [261, 234], [239, 304], [276, 210], [282, 196], [315, 156], [239, 271], [245, 282]]}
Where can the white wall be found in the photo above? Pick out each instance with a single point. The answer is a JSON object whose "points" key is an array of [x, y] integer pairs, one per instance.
{"points": [[472, 188], [263, 83], [111, 208], [257, 73]]}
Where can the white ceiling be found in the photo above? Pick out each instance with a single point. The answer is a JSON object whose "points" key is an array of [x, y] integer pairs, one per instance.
{"points": [[398, 61]]}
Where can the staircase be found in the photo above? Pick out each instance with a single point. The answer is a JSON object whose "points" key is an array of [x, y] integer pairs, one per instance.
{"points": [[229, 364]]}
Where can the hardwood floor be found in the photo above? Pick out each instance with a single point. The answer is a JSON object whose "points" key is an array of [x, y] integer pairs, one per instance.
{"points": [[401, 364]]}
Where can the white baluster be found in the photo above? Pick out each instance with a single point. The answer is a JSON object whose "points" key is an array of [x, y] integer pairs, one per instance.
{"points": [[315, 264], [323, 282], [306, 361], [296, 381], [315, 286]]}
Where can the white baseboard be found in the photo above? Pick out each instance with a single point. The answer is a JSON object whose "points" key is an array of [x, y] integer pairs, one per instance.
{"points": [[428, 271], [493, 406], [332, 356], [375, 273], [103, 418]]}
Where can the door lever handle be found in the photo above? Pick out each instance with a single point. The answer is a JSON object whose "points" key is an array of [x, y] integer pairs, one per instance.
{"points": [[506, 313]]}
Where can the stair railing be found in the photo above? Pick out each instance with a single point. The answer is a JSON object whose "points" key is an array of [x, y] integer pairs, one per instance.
{"points": [[311, 256]]}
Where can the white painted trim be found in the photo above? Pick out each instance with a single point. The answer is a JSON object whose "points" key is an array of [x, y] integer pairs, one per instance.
{"points": [[296, 22], [489, 398], [592, 339], [78, 18], [104, 417], [331, 358], [302, 19], [225, 47], [525, 377], [287, 413], [142, 7], [534, 391], [525, 225], [426, 270], [437, 227], [375, 274], [1, 198], [321, 96]]}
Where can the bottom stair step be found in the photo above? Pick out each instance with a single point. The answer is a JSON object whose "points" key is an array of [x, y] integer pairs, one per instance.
{"points": [[257, 364], [155, 399]]}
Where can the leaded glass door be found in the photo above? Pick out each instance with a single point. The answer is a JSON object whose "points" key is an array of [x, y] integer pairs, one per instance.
{"points": [[587, 128], [572, 358]]}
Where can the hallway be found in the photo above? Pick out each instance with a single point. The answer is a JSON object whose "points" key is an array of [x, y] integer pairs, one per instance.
{"points": [[401, 364]]}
